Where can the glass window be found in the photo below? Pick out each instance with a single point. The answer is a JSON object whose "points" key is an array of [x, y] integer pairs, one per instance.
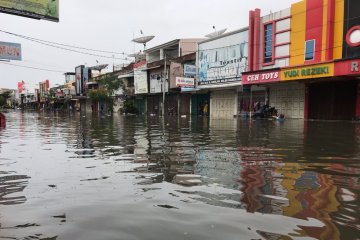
{"points": [[268, 43], [310, 50]]}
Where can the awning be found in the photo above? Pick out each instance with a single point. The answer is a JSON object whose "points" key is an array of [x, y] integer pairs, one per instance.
{"points": [[126, 75], [153, 67], [91, 83], [222, 85]]}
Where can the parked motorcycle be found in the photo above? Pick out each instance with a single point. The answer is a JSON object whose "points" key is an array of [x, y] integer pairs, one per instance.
{"points": [[265, 111]]}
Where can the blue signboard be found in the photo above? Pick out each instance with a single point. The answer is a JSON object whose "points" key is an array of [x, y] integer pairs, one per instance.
{"points": [[189, 70]]}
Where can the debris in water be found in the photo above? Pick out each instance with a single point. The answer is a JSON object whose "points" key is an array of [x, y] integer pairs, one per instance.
{"points": [[166, 206], [187, 179]]}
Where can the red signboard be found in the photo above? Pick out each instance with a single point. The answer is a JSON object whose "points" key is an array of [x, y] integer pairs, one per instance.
{"points": [[260, 77], [20, 87], [348, 67]]}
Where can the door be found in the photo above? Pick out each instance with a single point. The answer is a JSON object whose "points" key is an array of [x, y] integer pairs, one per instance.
{"points": [[332, 100], [223, 104], [198, 102], [288, 99]]}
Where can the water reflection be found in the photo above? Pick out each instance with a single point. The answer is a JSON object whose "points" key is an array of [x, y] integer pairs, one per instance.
{"points": [[10, 186], [117, 175]]}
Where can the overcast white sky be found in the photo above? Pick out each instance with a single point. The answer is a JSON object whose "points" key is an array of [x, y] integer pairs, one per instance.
{"points": [[110, 25]]}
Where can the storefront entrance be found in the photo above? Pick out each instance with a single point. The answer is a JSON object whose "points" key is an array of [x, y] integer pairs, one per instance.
{"points": [[198, 101], [332, 100]]}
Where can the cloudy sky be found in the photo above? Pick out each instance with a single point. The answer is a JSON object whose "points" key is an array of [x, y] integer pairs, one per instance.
{"points": [[110, 25]]}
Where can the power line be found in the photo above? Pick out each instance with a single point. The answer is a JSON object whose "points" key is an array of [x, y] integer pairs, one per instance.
{"points": [[35, 68], [59, 47], [61, 44]]}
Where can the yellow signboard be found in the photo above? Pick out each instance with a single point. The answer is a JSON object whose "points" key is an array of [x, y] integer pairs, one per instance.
{"points": [[38, 9], [308, 72]]}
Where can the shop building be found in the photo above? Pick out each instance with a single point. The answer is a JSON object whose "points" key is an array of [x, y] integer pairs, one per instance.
{"points": [[160, 66], [318, 78], [221, 61]]}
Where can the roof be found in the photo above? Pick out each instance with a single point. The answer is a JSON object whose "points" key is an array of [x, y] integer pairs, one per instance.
{"points": [[225, 35], [168, 44], [171, 43]]}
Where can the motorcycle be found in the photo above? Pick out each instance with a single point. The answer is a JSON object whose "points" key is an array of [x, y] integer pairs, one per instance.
{"points": [[265, 112]]}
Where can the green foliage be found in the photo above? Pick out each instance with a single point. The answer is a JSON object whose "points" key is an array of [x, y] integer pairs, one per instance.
{"points": [[3, 97], [98, 95], [2, 101], [111, 83], [129, 107]]}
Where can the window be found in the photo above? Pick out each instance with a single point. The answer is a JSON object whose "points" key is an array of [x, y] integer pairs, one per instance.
{"points": [[268, 43], [309, 50]]}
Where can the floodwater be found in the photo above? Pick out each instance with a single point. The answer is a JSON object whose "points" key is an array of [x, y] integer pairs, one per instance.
{"points": [[66, 176]]}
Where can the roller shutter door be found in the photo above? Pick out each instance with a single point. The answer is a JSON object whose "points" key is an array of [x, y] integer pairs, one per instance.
{"points": [[288, 99]]}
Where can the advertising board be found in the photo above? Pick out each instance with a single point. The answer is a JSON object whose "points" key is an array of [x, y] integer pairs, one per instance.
{"points": [[38, 9], [10, 51]]}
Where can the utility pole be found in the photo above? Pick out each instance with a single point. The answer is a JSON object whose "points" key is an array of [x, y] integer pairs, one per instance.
{"points": [[163, 87]]}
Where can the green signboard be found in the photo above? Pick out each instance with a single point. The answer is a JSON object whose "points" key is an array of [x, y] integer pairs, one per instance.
{"points": [[38, 9]]}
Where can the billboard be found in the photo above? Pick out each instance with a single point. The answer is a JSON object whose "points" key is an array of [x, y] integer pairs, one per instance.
{"points": [[38, 9], [223, 60], [79, 79], [86, 77], [156, 81], [140, 78], [10, 51]]}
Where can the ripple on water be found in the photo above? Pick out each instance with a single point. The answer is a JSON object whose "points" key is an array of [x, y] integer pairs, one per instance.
{"points": [[74, 177]]}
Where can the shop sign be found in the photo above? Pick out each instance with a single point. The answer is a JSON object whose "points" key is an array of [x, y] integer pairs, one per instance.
{"points": [[10, 51], [140, 78], [189, 70], [184, 82], [314, 71], [224, 64], [263, 77], [348, 67]]}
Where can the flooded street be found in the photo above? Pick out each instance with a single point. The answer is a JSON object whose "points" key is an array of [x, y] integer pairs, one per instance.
{"points": [[66, 176]]}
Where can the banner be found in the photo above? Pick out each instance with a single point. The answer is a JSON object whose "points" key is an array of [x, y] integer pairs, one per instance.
{"points": [[38, 9], [78, 79], [223, 64], [10, 51], [140, 78]]}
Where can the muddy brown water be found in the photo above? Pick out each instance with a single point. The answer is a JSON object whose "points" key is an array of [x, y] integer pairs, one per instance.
{"points": [[66, 176]]}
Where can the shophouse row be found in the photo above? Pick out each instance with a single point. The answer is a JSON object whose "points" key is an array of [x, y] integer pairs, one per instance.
{"points": [[303, 60]]}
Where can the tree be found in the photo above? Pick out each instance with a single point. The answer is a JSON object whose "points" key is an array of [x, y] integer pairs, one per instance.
{"points": [[3, 97], [111, 83], [108, 83]]}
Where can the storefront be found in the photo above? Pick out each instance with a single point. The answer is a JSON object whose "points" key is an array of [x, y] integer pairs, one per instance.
{"points": [[292, 96], [198, 102], [335, 100], [288, 99], [223, 104], [140, 104], [262, 88]]}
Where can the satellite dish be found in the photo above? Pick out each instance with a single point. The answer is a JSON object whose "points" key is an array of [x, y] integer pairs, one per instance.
{"points": [[143, 39], [99, 67], [216, 33]]}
